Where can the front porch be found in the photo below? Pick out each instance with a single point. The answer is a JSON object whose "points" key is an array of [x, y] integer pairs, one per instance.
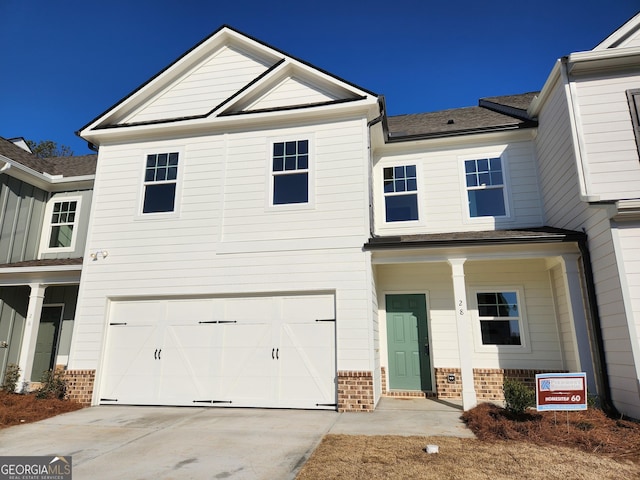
{"points": [[491, 312]]}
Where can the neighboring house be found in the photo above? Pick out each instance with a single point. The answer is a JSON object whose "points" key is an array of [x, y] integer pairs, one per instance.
{"points": [[44, 213], [263, 235], [587, 148]]}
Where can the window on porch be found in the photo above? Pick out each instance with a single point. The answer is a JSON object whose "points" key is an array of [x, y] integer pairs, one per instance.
{"points": [[500, 318]]}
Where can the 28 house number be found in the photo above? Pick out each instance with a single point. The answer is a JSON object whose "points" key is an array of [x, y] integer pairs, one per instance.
{"points": [[461, 311]]}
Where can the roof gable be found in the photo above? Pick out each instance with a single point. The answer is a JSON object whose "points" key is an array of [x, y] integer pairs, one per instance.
{"points": [[227, 73], [627, 36]]}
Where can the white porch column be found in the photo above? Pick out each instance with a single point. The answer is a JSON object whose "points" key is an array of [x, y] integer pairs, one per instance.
{"points": [[465, 340], [578, 316], [32, 322]]}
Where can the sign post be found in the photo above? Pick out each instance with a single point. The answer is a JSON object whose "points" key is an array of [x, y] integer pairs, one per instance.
{"points": [[561, 391]]}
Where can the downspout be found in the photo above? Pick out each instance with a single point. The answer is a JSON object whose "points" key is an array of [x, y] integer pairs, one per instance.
{"points": [[371, 123], [599, 358]]}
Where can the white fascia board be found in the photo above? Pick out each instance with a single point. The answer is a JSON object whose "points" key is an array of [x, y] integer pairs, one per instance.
{"points": [[239, 122], [583, 62], [627, 210], [46, 181], [536, 104], [620, 34]]}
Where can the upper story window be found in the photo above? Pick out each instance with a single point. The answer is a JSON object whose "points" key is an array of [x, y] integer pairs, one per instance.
{"points": [[633, 97], [485, 187], [63, 220], [400, 193], [500, 318], [160, 183], [290, 171], [59, 234]]}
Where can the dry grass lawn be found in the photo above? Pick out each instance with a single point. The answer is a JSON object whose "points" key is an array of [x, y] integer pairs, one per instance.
{"points": [[536, 446]]}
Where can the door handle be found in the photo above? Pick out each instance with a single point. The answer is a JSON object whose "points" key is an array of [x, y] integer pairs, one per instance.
{"points": [[277, 357], [159, 352], [155, 354], [426, 349], [4, 344], [272, 354]]}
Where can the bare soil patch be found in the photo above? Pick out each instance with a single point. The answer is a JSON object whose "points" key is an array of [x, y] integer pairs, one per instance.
{"points": [[16, 409], [537, 446]]}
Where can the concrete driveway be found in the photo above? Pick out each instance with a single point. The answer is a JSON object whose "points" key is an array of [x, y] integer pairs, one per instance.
{"points": [[214, 443]]}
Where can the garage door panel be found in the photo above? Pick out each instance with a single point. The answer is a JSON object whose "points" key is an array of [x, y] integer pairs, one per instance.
{"points": [[249, 352]]}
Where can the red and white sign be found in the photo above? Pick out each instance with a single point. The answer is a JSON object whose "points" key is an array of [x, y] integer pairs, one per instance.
{"points": [[561, 391]]}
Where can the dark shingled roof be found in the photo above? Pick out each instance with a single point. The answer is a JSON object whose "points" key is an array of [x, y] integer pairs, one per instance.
{"points": [[529, 235], [53, 262], [65, 166], [493, 113]]}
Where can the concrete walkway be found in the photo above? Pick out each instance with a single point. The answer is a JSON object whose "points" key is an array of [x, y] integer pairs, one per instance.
{"points": [[214, 443]]}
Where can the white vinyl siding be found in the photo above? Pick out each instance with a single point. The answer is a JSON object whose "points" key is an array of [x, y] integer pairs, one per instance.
{"points": [[203, 88], [435, 278], [225, 241], [610, 149], [442, 193], [564, 209], [291, 91]]}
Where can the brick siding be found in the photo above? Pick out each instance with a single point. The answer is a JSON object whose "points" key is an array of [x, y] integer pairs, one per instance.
{"points": [[355, 391], [80, 385]]}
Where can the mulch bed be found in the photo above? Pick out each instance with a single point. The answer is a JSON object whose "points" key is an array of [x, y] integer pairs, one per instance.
{"points": [[16, 409], [589, 430]]}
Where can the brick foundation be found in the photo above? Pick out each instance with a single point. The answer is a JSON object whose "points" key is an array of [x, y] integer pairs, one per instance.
{"points": [[80, 385], [487, 381], [355, 391]]}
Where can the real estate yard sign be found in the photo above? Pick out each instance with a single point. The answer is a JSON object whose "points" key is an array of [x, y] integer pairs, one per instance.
{"points": [[561, 391]]}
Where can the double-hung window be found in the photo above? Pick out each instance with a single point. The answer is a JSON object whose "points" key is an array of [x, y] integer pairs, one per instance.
{"points": [[63, 221], [160, 183], [290, 171], [400, 185], [485, 187], [500, 317]]}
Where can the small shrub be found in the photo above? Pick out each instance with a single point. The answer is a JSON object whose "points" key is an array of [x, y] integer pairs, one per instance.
{"points": [[53, 385], [517, 396], [11, 376]]}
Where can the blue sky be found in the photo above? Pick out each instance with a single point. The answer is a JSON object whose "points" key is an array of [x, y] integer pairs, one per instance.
{"points": [[64, 62]]}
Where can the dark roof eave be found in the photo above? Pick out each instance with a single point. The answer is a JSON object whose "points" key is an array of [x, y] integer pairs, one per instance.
{"points": [[470, 131], [390, 243]]}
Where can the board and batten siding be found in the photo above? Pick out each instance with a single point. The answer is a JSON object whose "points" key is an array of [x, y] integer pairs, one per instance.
{"points": [[564, 209], [442, 195], [80, 230], [434, 279], [203, 88], [226, 240], [21, 215], [604, 122]]}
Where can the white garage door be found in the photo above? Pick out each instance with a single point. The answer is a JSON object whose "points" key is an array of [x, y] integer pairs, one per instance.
{"points": [[239, 352]]}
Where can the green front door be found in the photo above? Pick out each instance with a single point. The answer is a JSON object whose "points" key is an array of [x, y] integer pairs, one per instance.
{"points": [[408, 342], [47, 342]]}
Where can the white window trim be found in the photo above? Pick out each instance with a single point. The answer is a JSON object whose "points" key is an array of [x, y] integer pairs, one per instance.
{"points": [[472, 303], [381, 214], [506, 189], [46, 230], [142, 187], [311, 168]]}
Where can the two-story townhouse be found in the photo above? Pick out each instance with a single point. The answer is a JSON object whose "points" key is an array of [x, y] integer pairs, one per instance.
{"points": [[232, 196], [44, 213], [472, 286], [587, 148], [265, 236]]}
